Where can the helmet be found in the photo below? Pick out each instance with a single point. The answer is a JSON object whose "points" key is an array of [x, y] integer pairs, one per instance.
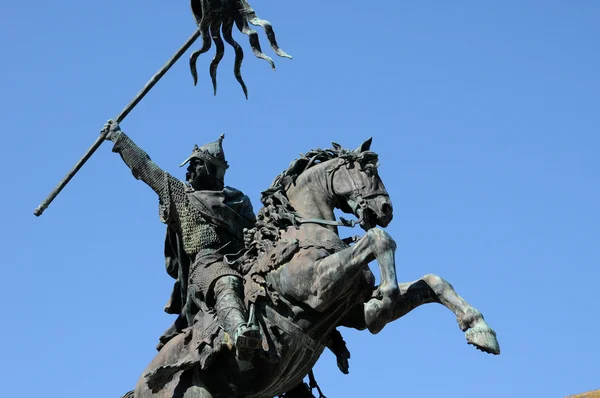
{"points": [[213, 153]]}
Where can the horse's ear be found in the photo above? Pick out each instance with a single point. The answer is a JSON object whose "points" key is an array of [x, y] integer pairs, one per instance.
{"points": [[365, 146]]}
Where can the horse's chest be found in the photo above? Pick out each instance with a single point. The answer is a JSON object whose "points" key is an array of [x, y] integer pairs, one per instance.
{"points": [[316, 237]]}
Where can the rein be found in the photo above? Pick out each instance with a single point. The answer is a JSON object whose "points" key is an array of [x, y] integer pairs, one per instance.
{"points": [[342, 223]]}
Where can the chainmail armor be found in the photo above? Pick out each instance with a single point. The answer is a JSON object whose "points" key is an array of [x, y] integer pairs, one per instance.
{"points": [[198, 234], [203, 277]]}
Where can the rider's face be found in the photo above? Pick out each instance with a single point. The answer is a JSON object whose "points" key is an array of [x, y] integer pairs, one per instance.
{"points": [[201, 175], [196, 169]]}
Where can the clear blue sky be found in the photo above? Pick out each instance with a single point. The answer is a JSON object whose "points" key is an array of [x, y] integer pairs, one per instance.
{"points": [[486, 117]]}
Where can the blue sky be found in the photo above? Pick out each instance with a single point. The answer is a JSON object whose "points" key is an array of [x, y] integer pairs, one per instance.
{"points": [[485, 115]]}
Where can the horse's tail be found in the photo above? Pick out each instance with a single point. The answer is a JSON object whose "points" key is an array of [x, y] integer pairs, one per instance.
{"points": [[128, 395]]}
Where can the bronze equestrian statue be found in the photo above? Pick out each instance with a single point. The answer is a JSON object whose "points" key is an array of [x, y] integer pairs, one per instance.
{"points": [[300, 279], [259, 297], [205, 222]]}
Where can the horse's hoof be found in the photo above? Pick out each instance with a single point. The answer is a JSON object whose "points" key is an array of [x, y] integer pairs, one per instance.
{"points": [[483, 338], [374, 316]]}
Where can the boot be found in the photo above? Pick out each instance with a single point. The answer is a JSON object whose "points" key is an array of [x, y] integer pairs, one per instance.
{"points": [[231, 313]]}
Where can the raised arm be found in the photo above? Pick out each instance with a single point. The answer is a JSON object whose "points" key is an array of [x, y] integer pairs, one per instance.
{"points": [[142, 167]]}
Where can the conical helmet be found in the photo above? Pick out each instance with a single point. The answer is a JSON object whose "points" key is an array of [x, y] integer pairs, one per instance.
{"points": [[213, 153]]}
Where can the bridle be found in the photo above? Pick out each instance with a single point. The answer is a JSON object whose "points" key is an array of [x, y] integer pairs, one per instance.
{"points": [[361, 198]]}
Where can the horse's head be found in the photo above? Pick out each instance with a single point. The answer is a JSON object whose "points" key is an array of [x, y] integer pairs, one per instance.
{"points": [[355, 183]]}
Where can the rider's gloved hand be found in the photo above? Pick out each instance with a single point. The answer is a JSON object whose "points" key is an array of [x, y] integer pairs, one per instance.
{"points": [[112, 130]]}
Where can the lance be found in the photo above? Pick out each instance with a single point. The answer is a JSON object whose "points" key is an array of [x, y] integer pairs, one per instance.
{"points": [[44, 205]]}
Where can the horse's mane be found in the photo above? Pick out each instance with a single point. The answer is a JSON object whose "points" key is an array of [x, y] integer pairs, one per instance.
{"points": [[277, 214]]}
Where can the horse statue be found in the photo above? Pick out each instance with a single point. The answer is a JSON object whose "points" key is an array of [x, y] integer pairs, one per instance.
{"points": [[302, 281]]}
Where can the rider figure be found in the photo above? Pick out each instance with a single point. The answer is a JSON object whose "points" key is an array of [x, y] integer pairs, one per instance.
{"points": [[208, 219]]}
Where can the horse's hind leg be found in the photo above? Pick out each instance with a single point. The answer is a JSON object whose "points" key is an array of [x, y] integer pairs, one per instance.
{"points": [[433, 289]]}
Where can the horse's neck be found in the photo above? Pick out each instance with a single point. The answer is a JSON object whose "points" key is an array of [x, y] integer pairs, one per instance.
{"points": [[309, 196], [311, 201]]}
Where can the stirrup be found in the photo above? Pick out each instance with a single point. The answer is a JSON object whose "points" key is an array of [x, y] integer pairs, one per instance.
{"points": [[246, 340]]}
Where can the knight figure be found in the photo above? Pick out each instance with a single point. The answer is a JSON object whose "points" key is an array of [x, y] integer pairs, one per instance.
{"points": [[205, 222]]}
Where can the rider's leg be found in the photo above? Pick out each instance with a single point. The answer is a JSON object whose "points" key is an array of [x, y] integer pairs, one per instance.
{"points": [[231, 313]]}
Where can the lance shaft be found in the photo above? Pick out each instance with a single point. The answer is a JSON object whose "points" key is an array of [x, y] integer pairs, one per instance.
{"points": [[44, 205]]}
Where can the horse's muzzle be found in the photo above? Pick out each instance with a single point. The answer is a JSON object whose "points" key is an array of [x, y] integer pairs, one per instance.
{"points": [[384, 210]]}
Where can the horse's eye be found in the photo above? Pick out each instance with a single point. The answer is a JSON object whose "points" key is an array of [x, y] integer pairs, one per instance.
{"points": [[370, 169]]}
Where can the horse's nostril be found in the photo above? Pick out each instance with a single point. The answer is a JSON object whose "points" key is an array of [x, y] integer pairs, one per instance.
{"points": [[387, 209]]}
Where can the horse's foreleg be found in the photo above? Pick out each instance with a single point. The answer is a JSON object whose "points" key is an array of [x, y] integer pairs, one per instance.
{"points": [[379, 309], [433, 289], [333, 274]]}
